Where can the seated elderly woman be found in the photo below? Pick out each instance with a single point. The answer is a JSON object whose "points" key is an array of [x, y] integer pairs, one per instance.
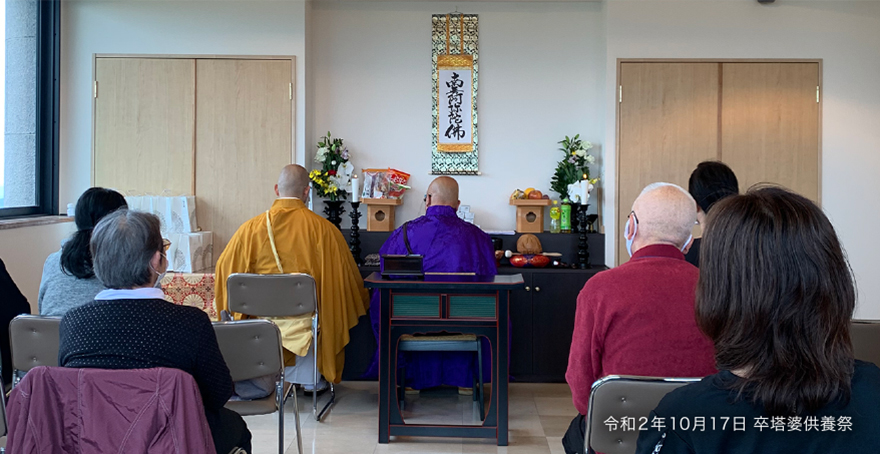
{"points": [[131, 326], [68, 278], [775, 295]]}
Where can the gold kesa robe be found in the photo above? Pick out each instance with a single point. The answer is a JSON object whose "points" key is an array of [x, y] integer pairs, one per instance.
{"points": [[306, 243]]}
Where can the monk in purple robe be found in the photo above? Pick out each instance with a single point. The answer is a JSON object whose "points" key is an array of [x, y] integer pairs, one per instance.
{"points": [[448, 244]]}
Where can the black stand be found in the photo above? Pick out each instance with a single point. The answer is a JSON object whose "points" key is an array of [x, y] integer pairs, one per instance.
{"points": [[583, 245], [354, 244], [575, 218], [334, 209]]}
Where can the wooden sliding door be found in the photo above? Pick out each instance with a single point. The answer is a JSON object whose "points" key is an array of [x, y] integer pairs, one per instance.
{"points": [[144, 124], [668, 124], [243, 139], [761, 118], [770, 124]]}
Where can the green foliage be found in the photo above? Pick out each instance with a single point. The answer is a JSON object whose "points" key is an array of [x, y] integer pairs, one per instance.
{"points": [[573, 167]]}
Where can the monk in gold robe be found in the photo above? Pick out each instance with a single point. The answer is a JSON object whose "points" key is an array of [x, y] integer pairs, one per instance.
{"points": [[305, 243]]}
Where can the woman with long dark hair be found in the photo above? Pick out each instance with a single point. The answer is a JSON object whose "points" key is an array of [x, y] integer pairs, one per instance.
{"points": [[710, 182], [68, 278], [776, 296]]}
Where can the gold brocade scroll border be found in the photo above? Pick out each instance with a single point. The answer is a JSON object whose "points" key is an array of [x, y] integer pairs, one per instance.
{"points": [[459, 51]]}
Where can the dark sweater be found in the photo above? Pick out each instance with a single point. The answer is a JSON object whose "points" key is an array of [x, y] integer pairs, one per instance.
{"points": [[638, 319], [13, 304], [141, 334], [693, 255], [710, 399]]}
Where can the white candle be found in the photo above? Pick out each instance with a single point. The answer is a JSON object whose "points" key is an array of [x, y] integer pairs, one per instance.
{"points": [[585, 193], [355, 189]]}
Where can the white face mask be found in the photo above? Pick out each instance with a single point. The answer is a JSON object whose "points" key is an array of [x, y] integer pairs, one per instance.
{"points": [[686, 243], [629, 241], [158, 283]]}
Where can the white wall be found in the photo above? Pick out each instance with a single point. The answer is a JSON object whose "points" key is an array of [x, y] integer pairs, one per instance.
{"points": [[845, 34], [541, 78], [547, 70], [243, 27], [24, 251]]}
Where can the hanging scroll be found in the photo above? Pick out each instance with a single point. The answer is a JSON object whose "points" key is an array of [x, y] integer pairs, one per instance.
{"points": [[454, 60]]}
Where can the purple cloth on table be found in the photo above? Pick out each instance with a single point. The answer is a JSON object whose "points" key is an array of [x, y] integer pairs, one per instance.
{"points": [[449, 245]]}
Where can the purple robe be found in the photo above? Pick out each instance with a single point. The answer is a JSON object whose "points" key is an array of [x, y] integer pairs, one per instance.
{"points": [[448, 244]]}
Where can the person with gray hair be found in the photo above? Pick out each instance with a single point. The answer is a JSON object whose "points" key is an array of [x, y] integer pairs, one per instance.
{"points": [[131, 326], [638, 318]]}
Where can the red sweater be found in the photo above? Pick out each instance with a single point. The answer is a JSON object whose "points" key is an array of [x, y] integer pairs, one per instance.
{"points": [[638, 319]]}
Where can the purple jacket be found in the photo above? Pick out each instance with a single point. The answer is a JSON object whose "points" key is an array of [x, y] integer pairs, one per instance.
{"points": [[95, 411]]}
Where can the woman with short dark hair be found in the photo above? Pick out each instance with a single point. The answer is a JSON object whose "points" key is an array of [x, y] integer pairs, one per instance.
{"points": [[131, 326], [710, 182], [68, 278], [776, 296]]}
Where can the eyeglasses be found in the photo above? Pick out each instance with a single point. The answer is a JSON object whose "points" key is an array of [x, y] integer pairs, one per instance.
{"points": [[166, 243]]}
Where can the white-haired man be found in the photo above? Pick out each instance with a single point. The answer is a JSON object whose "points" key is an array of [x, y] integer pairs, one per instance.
{"points": [[638, 318]]}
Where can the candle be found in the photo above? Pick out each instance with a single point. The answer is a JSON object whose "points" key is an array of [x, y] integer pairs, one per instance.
{"points": [[584, 191], [355, 189]]}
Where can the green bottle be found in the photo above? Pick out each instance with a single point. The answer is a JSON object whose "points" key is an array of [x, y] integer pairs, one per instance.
{"points": [[555, 215], [565, 221]]}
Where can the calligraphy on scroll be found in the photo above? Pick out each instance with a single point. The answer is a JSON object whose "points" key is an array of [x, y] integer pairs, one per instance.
{"points": [[454, 144]]}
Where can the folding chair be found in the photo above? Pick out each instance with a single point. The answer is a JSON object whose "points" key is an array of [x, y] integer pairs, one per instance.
{"points": [[251, 349], [623, 396], [34, 341], [866, 340], [280, 295]]}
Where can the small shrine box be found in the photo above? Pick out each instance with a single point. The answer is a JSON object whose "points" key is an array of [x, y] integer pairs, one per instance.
{"points": [[530, 214], [380, 214]]}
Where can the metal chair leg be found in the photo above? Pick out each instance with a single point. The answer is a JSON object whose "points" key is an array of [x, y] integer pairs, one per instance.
{"points": [[299, 442], [279, 401], [317, 375], [329, 402]]}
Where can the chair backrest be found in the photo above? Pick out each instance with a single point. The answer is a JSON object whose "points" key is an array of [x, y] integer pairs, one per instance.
{"points": [[619, 397], [34, 341], [865, 336], [272, 295], [251, 348]]}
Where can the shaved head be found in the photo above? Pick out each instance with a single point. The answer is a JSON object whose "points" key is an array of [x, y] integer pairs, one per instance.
{"points": [[443, 191], [293, 181], [665, 214]]}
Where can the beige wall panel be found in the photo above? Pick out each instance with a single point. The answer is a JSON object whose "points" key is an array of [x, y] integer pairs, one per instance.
{"points": [[668, 124], [770, 124], [144, 124], [243, 139]]}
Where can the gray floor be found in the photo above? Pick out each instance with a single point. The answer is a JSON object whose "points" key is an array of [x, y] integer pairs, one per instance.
{"points": [[539, 416]]}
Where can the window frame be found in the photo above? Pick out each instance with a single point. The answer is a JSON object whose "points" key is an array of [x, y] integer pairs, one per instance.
{"points": [[48, 44]]}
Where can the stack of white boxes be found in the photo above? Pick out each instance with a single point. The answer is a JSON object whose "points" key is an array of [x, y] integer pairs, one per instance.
{"points": [[191, 251]]}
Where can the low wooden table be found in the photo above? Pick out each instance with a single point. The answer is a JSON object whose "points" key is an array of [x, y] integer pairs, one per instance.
{"points": [[457, 304]]}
